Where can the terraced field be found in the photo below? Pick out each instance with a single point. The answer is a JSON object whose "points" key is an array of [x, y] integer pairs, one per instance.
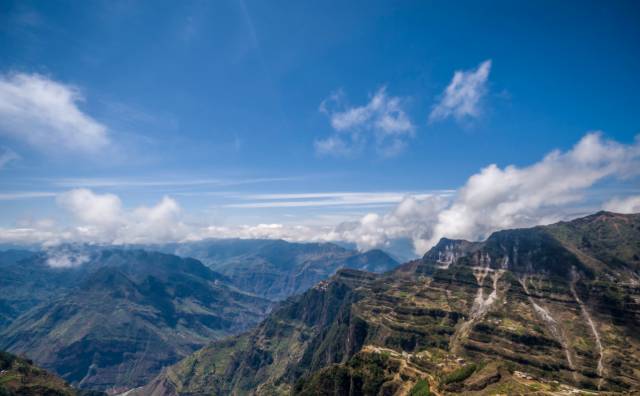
{"points": [[525, 312]]}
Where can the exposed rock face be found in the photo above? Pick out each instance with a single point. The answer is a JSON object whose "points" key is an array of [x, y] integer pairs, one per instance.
{"points": [[130, 314], [546, 310]]}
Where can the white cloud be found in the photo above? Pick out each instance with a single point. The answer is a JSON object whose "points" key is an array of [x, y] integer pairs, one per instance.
{"points": [[102, 218], [412, 218], [334, 145], [19, 195], [164, 182], [161, 222], [498, 198], [91, 208], [623, 205], [44, 114], [65, 257], [492, 199], [383, 121], [462, 97], [331, 199], [7, 155]]}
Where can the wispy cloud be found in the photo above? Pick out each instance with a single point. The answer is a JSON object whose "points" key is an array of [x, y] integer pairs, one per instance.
{"points": [[346, 199], [494, 198], [44, 114], [462, 97], [7, 155], [19, 195], [382, 121], [165, 182], [334, 145], [623, 205]]}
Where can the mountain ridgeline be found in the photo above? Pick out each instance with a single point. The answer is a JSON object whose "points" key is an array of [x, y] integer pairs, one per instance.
{"points": [[110, 319], [545, 310], [276, 269], [123, 315]]}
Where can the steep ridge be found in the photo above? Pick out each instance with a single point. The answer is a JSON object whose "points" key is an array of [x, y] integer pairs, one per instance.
{"points": [[131, 313], [526, 311]]}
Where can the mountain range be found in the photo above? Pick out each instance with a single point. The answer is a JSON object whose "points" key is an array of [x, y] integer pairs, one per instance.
{"points": [[276, 269], [126, 315], [110, 319], [545, 310]]}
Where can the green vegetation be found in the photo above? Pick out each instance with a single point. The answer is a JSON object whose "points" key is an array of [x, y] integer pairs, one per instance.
{"points": [[460, 374], [364, 374], [20, 377], [529, 329], [421, 388], [139, 311]]}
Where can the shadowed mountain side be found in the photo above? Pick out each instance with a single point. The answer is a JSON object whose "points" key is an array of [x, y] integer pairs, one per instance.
{"points": [[132, 313], [276, 269]]}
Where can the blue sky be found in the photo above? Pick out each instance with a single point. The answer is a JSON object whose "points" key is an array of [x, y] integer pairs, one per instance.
{"points": [[306, 114]]}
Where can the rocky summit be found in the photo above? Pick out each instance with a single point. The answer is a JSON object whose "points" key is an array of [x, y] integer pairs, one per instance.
{"points": [[547, 310]]}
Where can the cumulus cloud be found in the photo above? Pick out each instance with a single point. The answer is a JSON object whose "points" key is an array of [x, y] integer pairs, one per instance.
{"points": [[462, 97], [44, 114], [7, 155], [412, 218], [91, 208], [382, 121], [623, 205], [102, 218], [497, 198], [161, 222], [492, 199]]}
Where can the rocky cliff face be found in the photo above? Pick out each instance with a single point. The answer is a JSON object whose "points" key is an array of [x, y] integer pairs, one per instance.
{"points": [[547, 309]]}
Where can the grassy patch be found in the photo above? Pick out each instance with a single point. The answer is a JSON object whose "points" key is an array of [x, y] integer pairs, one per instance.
{"points": [[421, 388], [8, 377], [460, 374]]}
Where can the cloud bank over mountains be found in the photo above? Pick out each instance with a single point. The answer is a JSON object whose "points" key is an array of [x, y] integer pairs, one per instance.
{"points": [[101, 218], [492, 199], [623, 205]]}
